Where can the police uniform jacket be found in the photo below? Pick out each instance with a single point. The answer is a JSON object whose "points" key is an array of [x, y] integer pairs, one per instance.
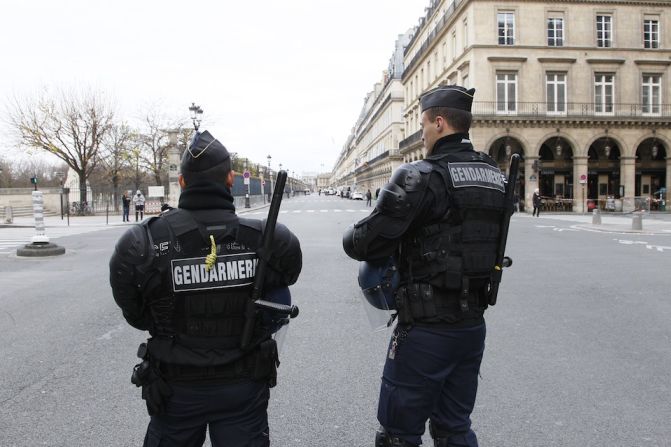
{"points": [[440, 222], [195, 313]]}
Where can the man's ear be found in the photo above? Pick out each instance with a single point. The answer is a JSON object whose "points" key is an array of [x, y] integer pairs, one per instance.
{"points": [[230, 178], [182, 182]]}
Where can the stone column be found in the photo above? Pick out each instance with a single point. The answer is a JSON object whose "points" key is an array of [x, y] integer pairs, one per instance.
{"points": [[530, 182], [668, 182], [579, 186], [628, 179], [174, 190]]}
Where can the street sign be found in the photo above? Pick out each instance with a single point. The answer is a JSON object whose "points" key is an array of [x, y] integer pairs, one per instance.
{"points": [[583, 179], [263, 183], [246, 174]]}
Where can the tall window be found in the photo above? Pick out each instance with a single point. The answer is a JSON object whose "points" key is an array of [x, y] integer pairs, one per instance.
{"points": [[555, 91], [555, 32], [454, 45], [651, 94], [604, 31], [464, 81], [604, 87], [506, 92], [650, 33], [506, 25], [428, 72], [444, 55], [465, 33]]}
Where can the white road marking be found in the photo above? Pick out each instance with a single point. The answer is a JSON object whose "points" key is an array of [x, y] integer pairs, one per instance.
{"points": [[108, 335], [659, 248]]}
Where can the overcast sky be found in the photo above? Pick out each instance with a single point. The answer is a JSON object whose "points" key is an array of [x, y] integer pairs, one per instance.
{"points": [[285, 78]]}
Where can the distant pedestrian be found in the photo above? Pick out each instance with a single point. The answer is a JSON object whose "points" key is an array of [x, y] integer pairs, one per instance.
{"points": [[536, 201], [125, 203], [368, 197], [138, 200]]}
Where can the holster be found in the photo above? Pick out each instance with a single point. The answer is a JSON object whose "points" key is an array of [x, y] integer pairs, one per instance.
{"points": [[266, 363], [155, 390]]}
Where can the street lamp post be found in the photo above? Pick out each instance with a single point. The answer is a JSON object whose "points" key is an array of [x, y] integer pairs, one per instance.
{"points": [[248, 180], [196, 115], [270, 179]]}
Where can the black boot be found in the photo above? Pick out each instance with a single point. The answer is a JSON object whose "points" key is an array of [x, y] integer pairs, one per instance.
{"points": [[383, 439]]}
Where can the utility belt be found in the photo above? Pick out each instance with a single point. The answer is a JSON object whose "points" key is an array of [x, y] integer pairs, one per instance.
{"points": [[155, 377], [424, 303]]}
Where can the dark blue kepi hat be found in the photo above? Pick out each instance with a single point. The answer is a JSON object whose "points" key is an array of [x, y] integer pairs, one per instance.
{"points": [[451, 96], [204, 152]]}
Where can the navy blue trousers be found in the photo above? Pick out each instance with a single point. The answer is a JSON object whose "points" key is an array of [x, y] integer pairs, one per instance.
{"points": [[236, 415], [433, 376]]}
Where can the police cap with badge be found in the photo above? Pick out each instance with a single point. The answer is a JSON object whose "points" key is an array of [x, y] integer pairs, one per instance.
{"points": [[203, 153], [448, 96]]}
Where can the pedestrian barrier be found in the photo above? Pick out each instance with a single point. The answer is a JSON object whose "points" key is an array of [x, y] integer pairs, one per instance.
{"points": [[637, 222]]}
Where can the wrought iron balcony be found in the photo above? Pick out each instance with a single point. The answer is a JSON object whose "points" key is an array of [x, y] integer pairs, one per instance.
{"points": [[570, 110], [412, 139]]}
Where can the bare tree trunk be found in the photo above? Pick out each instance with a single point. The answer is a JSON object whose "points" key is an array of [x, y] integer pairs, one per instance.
{"points": [[115, 192], [82, 189]]}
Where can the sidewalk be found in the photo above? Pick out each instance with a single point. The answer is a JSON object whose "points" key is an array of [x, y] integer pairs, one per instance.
{"points": [[92, 221], [620, 223]]}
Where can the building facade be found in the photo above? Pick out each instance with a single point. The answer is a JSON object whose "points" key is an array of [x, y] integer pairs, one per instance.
{"points": [[580, 89], [371, 151]]}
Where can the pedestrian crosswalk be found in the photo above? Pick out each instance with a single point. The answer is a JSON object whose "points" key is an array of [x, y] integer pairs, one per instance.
{"points": [[310, 211], [8, 245], [13, 238]]}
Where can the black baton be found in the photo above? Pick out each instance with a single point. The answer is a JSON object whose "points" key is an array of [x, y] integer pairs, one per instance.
{"points": [[266, 250], [501, 260]]}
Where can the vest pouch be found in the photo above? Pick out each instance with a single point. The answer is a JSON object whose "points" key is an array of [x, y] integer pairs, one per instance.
{"points": [[453, 273], [481, 261], [403, 307], [266, 361], [421, 301]]}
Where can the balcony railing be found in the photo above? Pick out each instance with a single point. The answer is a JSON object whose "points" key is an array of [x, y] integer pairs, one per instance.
{"points": [[412, 139], [440, 25], [570, 110]]}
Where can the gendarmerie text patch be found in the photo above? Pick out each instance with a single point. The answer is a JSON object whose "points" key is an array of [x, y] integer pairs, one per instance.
{"points": [[233, 270]]}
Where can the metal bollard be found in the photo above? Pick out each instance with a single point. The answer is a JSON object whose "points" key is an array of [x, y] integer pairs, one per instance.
{"points": [[9, 215], [637, 222], [596, 217]]}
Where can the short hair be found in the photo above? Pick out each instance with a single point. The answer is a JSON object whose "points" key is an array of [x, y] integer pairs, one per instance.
{"points": [[460, 120], [215, 174]]}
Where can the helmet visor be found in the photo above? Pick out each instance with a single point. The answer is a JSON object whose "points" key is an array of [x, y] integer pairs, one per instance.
{"points": [[376, 307]]}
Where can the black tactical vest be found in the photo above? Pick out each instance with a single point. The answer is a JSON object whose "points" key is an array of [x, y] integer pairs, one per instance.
{"points": [[448, 263], [197, 307]]}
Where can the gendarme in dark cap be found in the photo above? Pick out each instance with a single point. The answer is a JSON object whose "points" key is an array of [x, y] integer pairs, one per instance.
{"points": [[451, 96], [204, 152]]}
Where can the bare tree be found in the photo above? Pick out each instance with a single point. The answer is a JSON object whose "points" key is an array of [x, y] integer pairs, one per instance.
{"points": [[155, 143], [71, 125], [115, 155]]}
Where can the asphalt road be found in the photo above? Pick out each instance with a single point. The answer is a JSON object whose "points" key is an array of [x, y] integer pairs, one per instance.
{"points": [[578, 348]]}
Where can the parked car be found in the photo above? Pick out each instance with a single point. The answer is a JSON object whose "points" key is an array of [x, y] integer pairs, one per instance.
{"points": [[356, 195]]}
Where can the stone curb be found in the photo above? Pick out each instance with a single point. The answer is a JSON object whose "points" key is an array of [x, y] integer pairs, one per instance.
{"points": [[620, 229]]}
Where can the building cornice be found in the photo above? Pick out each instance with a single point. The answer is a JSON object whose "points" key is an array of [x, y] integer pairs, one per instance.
{"points": [[506, 59], [611, 61], [652, 62], [557, 60]]}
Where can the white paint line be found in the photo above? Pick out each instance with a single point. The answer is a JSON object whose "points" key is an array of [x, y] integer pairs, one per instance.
{"points": [[108, 335]]}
